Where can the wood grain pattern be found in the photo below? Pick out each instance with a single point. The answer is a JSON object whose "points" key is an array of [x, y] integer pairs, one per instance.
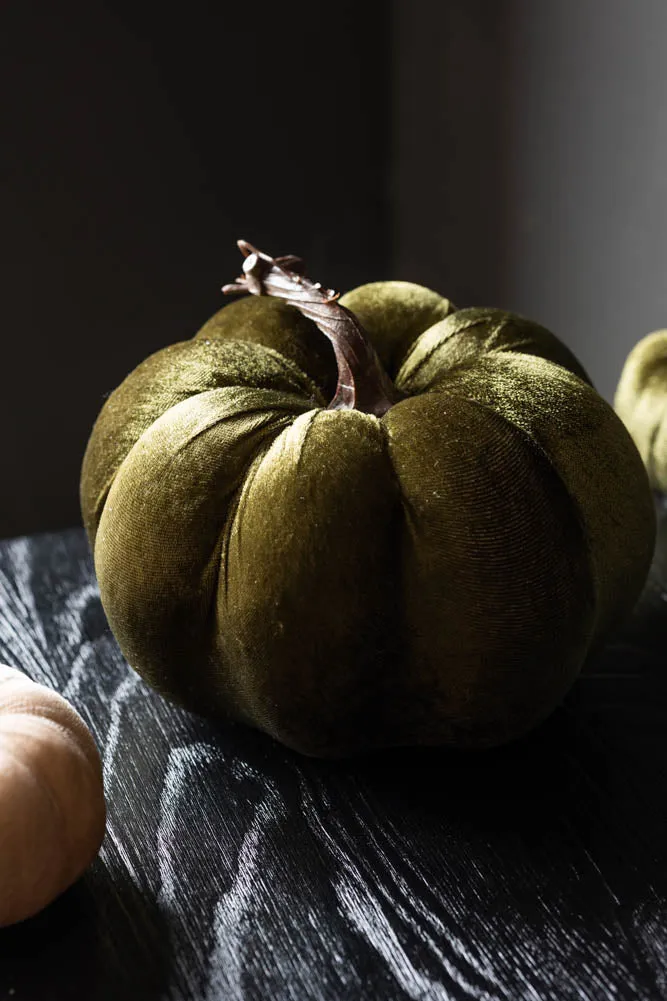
{"points": [[235, 869]]}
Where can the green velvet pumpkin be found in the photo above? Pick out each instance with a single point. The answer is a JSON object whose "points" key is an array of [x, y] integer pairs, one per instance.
{"points": [[641, 402], [343, 581]]}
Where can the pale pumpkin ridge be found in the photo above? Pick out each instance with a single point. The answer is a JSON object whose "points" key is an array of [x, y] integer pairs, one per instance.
{"points": [[45, 745], [652, 462]]}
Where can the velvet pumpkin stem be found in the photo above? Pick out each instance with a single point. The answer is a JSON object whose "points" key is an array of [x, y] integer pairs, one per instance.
{"points": [[363, 384]]}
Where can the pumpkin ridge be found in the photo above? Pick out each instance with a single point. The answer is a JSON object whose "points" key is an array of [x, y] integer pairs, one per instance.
{"points": [[471, 323], [252, 471], [189, 552], [535, 340], [406, 506], [305, 439], [225, 357], [218, 636], [44, 786], [274, 406], [256, 321], [240, 500], [560, 586], [651, 463], [271, 407], [289, 366], [374, 302], [533, 446], [475, 321], [429, 354], [596, 554], [174, 456]]}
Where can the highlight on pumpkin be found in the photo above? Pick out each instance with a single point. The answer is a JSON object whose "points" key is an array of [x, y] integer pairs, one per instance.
{"points": [[641, 403], [365, 520], [52, 807]]}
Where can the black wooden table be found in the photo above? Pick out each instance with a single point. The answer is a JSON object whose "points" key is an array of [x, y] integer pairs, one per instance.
{"points": [[233, 868]]}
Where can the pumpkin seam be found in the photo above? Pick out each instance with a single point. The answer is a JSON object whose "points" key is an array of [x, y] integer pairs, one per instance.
{"points": [[311, 393], [576, 506], [445, 340], [257, 409], [541, 451]]}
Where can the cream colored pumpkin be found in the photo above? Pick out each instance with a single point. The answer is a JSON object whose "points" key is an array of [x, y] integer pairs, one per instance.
{"points": [[52, 808]]}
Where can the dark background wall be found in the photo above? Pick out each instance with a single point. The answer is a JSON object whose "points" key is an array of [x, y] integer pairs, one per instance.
{"points": [[512, 154], [138, 145]]}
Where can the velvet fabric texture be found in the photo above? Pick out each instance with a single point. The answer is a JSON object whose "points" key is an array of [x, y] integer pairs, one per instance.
{"points": [[343, 582], [641, 402]]}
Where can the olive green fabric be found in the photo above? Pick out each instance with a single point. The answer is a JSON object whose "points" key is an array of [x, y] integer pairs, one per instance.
{"points": [[164, 379], [394, 314], [466, 335], [641, 402], [277, 325], [343, 582]]}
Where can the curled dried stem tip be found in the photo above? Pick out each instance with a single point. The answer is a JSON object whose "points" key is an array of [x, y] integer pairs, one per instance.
{"points": [[257, 266], [362, 382]]}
